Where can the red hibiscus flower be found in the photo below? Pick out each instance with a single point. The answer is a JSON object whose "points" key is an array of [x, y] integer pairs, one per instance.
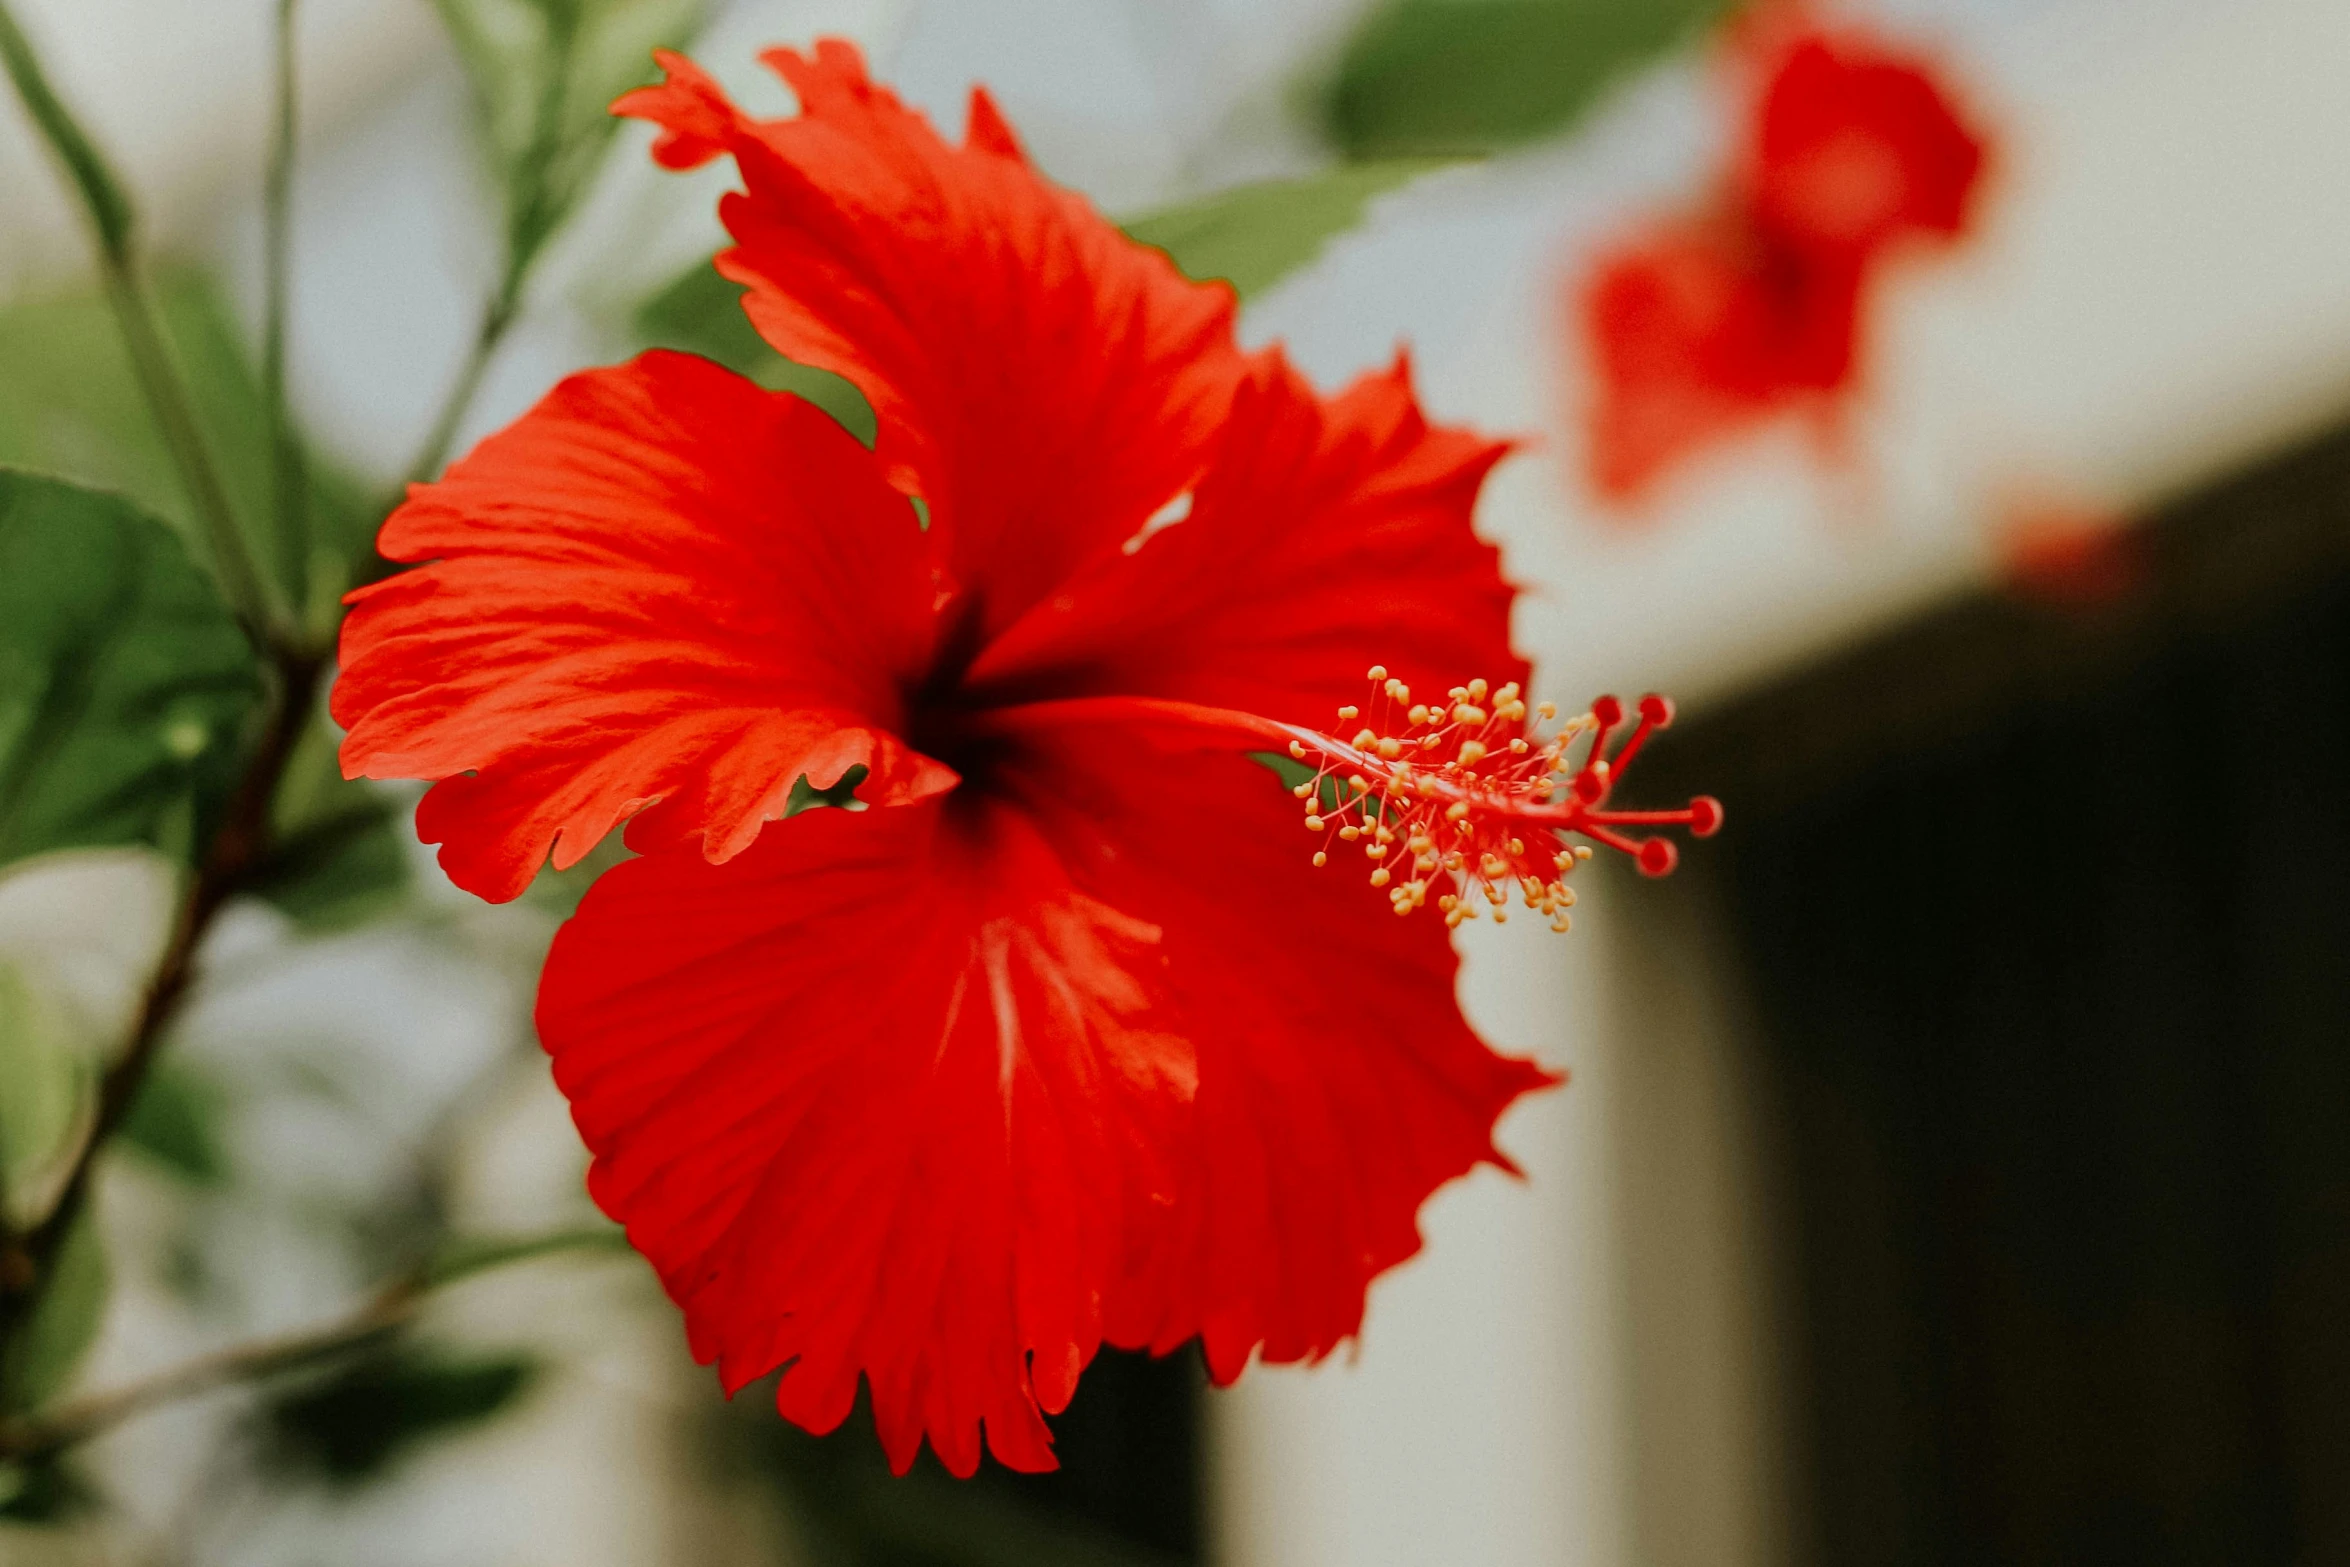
{"points": [[1753, 308], [1697, 332], [1854, 147], [1056, 1036]]}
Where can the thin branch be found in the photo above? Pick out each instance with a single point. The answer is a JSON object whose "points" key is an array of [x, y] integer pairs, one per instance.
{"points": [[390, 1309], [238, 846], [83, 1418], [497, 318], [113, 224], [291, 497], [529, 223]]}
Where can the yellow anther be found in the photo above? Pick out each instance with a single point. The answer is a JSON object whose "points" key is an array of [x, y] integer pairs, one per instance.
{"points": [[1386, 833], [1377, 851], [1350, 834], [1321, 858], [1379, 877], [1546, 711], [1457, 811], [1519, 748], [1458, 693], [1472, 752], [1297, 750], [1468, 713], [1501, 916], [1582, 851], [1391, 748], [1302, 790], [1358, 784], [1313, 823], [1566, 895], [1346, 713], [1477, 690], [1420, 843], [1446, 901], [1562, 924], [1365, 738], [1378, 672], [1564, 859], [1508, 693], [1419, 713], [1517, 846], [1399, 691]]}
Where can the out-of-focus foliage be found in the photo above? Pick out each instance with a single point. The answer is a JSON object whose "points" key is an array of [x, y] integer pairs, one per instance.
{"points": [[125, 685], [353, 1426], [855, 1513], [702, 313], [1253, 236], [335, 858], [70, 406], [175, 1122], [43, 1355], [1435, 78], [44, 1491], [546, 72], [44, 1078]]}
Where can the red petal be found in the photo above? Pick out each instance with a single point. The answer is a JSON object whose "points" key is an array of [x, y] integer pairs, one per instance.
{"points": [[1042, 381], [1700, 330], [885, 1095], [1338, 1084], [661, 583], [944, 1096], [1323, 538], [1854, 145]]}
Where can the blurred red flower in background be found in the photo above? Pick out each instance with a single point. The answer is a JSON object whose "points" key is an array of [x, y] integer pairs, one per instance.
{"points": [[2066, 553], [1707, 325], [1056, 1036]]}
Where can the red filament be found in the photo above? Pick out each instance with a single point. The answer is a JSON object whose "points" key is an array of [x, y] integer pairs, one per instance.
{"points": [[1464, 799]]}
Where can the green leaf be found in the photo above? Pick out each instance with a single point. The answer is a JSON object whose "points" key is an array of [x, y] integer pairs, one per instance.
{"points": [[125, 684], [1426, 78], [44, 1079], [175, 1122], [559, 892], [42, 1356], [351, 1428], [544, 75], [1253, 236], [337, 856], [702, 313], [69, 405], [805, 796], [44, 1490], [465, 1255]]}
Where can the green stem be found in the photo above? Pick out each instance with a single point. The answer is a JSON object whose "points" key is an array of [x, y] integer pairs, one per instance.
{"points": [[496, 319], [113, 224], [530, 219], [381, 1315], [290, 512], [28, 1261]]}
